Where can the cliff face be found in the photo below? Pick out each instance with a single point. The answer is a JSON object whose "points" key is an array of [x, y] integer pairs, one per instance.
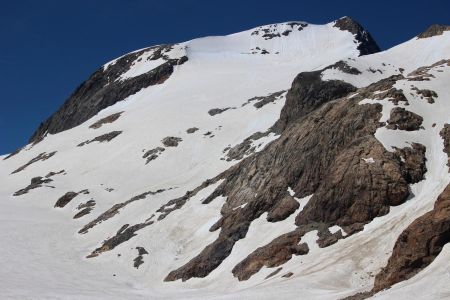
{"points": [[324, 152], [106, 87], [366, 44]]}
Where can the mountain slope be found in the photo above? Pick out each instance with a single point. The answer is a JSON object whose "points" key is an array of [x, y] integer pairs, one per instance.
{"points": [[273, 162]]}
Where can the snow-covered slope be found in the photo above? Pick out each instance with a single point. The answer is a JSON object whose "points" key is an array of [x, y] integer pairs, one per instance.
{"points": [[177, 116]]}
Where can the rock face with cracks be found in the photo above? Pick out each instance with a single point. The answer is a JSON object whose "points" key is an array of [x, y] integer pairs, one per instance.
{"points": [[321, 151], [418, 245]]}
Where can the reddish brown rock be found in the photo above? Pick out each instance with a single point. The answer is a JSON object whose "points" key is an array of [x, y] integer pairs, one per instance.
{"points": [[283, 209], [418, 245], [320, 153], [274, 254]]}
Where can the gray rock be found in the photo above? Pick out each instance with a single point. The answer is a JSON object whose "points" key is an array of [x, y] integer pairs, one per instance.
{"points": [[171, 141]]}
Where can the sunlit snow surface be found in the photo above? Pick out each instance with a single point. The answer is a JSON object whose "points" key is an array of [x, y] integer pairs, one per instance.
{"points": [[43, 257]]}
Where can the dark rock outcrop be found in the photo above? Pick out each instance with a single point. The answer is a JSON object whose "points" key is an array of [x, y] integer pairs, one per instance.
{"points": [[283, 209], [106, 120], [383, 89], [326, 240], [36, 182], [115, 209], [355, 191], [153, 154], [287, 275], [263, 100], [90, 203], [244, 148], [344, 67], [427, 94], [15, 152], [107, 137], [119, 238], [274, 273], [272, 255], [445, 134], [402, 119], [423, 73], [171, 141], [367, 44], [191, 130], [65, 199], [418, 245], [434, 30], [83, 212], [42, 156], [139, 260], [105, 87], [52, 173], [216, 111], [307, 93]]}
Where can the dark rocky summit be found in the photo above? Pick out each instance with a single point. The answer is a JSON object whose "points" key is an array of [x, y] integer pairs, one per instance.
{"points": [[105, 87], [434, 30], [367, 44]]}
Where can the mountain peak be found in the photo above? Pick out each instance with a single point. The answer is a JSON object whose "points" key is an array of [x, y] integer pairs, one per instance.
{"points": [[367, 44], [433, 30]]}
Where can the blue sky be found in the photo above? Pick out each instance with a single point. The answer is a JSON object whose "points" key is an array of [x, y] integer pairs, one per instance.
{"points": [[47, 48]]}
